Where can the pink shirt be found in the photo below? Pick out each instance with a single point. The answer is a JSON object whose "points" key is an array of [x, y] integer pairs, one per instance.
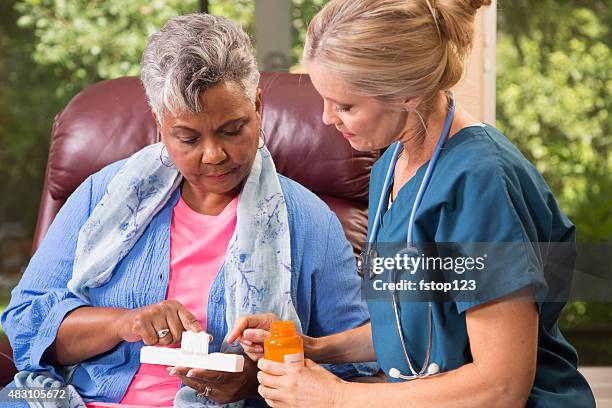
{"points": [[198, 244]]}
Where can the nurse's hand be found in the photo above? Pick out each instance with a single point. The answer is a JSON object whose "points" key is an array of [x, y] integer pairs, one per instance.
{"points": [[224, 387], [251, 331], [296, 385]]}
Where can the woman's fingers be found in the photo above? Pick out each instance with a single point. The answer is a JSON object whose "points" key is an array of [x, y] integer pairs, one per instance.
{"points": [[181, 371], [171, 310], [272, 367], [188, 320], [162, 318], [148, 322], [254, 357], [148, 333], [255, 335], [259, 321], [176, 328], [270, 381], [254, 349], [242, 324], [209, 376], [252, 343], [268, 393], [254, 352], [200, 375]]}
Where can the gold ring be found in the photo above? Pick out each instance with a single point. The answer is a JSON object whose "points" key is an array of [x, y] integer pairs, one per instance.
{"points": [[206, 392], [163, 333]]}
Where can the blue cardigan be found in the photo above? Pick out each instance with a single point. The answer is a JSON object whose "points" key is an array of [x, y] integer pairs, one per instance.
{"points": [[325, 287]]}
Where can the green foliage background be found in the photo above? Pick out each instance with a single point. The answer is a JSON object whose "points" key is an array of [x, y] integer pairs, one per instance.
{"points": [[554, 91], [554, 101]]}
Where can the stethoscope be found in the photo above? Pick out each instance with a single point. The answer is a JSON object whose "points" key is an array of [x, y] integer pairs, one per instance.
{"points": [[364, 263]]}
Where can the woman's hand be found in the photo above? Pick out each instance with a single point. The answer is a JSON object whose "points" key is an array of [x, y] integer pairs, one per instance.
{"points": [[296, 385], [144, 323], [251, 331], [223, 387]]}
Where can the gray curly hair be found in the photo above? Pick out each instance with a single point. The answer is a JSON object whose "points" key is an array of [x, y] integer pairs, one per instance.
{"points": [[192, 53]]}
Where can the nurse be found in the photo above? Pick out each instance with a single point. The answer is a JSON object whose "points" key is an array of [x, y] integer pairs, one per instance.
{"points": [[384, 70]]}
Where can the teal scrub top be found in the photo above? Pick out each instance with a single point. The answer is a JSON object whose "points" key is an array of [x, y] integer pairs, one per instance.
{"points": [[482, 190]]}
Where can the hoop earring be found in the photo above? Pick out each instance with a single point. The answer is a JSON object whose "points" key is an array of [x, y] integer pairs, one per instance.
{"points": [[262, 138], [161, 157]]}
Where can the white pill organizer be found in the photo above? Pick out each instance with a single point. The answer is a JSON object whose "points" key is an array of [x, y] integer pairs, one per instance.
{"points": [[193, 353]]}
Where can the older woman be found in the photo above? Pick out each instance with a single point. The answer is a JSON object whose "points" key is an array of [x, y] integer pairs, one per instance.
{"points": [[183, 235]]}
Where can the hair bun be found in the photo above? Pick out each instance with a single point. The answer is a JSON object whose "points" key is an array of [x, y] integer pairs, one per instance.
{"points": [[476, 4]]}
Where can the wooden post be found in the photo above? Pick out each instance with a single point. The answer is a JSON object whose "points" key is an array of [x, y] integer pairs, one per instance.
{"points": [[273, 34], [476, 91]]}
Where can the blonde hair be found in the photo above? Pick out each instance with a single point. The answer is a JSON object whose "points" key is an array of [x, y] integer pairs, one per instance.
{"points": [[394, 49]]}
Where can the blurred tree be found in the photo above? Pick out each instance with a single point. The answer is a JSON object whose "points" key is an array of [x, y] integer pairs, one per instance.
{"points": [[554, 100], [27, 104], [242, 12], [94, 40], [301, 14]]}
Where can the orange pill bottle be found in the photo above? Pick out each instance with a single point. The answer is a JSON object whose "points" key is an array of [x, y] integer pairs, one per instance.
{"points": [[284, 344]]}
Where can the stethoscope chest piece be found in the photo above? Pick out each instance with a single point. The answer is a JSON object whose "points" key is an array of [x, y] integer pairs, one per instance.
{"points": [[365, 268], [409, 251]]}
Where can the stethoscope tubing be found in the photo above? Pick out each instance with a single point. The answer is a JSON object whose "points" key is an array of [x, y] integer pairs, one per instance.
{"points": [[386, 184], [430, 168], [409, 236]]}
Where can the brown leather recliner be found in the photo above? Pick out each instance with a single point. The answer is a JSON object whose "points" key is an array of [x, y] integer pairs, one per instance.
{"points": [[111, 120]]}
